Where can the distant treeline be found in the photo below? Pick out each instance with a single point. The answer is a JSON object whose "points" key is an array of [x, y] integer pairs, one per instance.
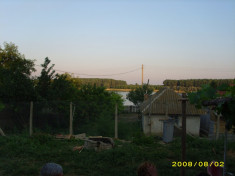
{"points": [[196, 82], [112, 83], [186, 85], [108, 83]]}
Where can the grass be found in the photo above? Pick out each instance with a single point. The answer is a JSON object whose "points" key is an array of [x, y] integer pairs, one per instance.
{"points": [[23, 155], [105, 127]]}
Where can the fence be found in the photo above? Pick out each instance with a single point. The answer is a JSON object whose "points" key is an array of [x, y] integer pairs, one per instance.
{"points": [[131, 109], [63, 117], [206, 125], [14, 117], [230, 136]]}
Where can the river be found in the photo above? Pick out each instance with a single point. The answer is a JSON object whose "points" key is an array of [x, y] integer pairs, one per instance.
{"points": [[126, 101]]}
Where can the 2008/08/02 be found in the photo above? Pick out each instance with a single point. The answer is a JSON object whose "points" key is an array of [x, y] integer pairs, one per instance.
{"points": [[199, 164]]}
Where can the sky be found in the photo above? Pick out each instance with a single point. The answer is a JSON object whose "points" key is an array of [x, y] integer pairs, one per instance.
{"points": [[173, 39]]}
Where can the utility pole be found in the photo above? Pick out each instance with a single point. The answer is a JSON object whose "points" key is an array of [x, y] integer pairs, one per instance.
{"points": [[183, 139], [142, 74]]}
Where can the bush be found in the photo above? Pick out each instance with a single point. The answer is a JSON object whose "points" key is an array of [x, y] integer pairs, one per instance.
{"points": [[141, 139]]}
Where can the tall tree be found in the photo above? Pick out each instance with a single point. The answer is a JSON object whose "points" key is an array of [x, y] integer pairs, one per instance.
{"points": [[222, 100], [15, 72], [63, 88], [44, 83]]}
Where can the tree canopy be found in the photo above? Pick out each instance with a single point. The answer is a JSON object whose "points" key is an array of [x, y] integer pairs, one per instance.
{"points": [[220, 98], [137, 95], [15, 72]]}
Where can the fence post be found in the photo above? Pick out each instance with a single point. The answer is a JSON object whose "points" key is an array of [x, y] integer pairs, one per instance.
{"points": [[217, 127], [2, 133], [116, 121], [71, 119], [31, 119]]}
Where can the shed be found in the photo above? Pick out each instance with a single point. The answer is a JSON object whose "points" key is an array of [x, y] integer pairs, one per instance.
{"points": [[165, 104]]}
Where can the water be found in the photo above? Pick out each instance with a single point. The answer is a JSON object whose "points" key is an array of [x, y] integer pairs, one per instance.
{"points": [[126, 101]]}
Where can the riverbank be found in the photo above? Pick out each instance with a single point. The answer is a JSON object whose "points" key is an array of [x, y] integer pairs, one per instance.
{"points": [[118, 90], [123, 90]]}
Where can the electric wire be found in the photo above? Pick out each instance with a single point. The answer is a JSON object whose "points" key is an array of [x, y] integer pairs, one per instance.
{"points": [[83, 74]]}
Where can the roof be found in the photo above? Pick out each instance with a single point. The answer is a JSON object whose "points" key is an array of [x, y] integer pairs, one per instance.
{"points": [[166, 101]]}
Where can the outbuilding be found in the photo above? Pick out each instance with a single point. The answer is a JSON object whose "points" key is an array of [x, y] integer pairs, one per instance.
{"points": [[165, 104]]}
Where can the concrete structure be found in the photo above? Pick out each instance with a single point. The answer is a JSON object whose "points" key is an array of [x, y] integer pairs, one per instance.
{"points": [[164, 104]]}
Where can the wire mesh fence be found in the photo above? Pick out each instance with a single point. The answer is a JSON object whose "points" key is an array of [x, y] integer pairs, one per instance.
{"points": [[51, 117], [14, 117], [64, 117]]}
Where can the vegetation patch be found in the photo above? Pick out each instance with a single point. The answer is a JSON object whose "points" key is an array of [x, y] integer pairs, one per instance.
{"points": [[23, 155]]}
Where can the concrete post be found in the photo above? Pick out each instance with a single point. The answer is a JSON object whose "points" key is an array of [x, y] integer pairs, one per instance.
{"points": [[116, 121], [71, 119], [31, 119]]}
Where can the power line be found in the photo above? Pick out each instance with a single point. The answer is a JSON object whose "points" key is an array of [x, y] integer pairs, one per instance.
{"points": [[95, 75]]}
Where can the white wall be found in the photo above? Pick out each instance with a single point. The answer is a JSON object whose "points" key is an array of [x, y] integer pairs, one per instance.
{"points": [[156, 127], [192, 124]]}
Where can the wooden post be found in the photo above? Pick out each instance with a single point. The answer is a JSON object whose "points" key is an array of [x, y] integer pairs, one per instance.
{"points": [[116, 121], [225, 149], [31, 119], [2, 133], [217, 127], [149, 119], [183, 140], [71, 119]]}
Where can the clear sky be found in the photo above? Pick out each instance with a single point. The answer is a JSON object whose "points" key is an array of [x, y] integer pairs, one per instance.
{"points": [[173, 39]]}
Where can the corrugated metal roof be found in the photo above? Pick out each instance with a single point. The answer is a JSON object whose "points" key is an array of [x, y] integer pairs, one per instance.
{"points": [[166, 101]]}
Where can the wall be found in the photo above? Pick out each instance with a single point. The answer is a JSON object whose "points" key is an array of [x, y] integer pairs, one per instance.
{"points": [[192, 124], [156, 127]]}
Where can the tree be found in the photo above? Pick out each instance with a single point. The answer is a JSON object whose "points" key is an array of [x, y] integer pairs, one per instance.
{"points": [[44, 83], [63, 88], [222, 100], [15, 72], [94, 102], [137, 95]]}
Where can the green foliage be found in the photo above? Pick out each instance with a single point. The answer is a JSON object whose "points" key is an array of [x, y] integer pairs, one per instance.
{"points": [[216, 93], [193, 85], [59, 87], [141, 139], [108, 83], [63, 88], [15, 71], [41, 138], [137, 96], [128, 130], [94, 102], [196, 82], [44, 82], [123, 159], [75, 80], [2, 106], [11, 59], [206, 93]]}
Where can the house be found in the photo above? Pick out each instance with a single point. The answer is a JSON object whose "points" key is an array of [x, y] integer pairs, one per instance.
{"points": [[165, 104]]}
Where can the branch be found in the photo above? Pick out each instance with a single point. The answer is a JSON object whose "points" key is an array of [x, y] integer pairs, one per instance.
{"points": [[216, 101]]}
